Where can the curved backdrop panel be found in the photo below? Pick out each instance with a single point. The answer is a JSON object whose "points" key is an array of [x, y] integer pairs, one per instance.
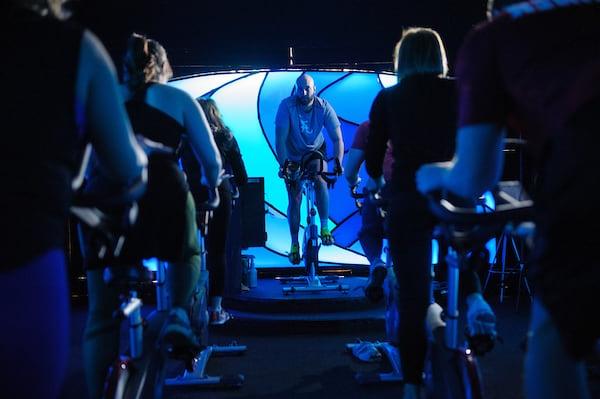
{"points": [[248, 101]]}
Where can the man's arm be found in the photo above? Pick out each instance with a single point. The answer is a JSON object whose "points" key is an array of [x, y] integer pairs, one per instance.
{"points": [[281, 135], [477, 165], [282, 130], [335, 135]]}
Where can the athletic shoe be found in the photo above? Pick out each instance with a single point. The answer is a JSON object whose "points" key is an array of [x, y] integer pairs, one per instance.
{"points": [[218, 317], [294, 254], [326, 237], [481, 319], [374, 289], [177, 333]]}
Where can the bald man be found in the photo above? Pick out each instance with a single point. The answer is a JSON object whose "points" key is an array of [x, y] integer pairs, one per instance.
{"points": [[298, 130]]}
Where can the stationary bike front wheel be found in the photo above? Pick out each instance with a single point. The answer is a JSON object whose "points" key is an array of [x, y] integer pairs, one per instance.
{"points": [[137, 379], [451, 373], [311, 251]]}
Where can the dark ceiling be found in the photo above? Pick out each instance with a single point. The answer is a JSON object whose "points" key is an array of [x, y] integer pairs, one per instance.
{"points": [[202, 35]]}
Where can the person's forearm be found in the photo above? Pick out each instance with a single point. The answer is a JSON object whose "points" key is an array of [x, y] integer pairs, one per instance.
{"points": [[213, 168], [338, 150], [478, 163], [281, 153], [280, 139], [352, 162]]}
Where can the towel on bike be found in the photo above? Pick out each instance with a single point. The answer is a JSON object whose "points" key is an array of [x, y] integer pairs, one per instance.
{"points": [[366, 351]]}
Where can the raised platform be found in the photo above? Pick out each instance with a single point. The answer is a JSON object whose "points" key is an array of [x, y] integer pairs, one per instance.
{"points": [[268, 302]]}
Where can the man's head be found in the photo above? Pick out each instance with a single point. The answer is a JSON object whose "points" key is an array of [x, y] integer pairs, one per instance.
{"points": [[305, 89]]}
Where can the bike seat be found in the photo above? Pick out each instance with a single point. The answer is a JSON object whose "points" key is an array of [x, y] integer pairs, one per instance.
{"points": [[465, 226]]}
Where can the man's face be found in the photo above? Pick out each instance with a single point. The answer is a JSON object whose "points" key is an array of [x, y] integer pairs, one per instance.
{"points": [[305, 92]]}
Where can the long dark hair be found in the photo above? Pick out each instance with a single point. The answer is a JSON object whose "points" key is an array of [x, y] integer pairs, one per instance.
{"points": [[145, 61], [215, 120]]}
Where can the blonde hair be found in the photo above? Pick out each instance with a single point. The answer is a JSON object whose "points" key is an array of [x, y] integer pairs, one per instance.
{"points": [[45, 7], [420, 51]]}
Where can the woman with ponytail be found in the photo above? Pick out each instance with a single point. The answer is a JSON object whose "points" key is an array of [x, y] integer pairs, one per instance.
{"points": [[161, 116]]}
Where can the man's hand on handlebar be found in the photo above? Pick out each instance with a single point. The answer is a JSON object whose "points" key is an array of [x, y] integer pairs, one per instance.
{"points": [[289, 170], [338, 169]]}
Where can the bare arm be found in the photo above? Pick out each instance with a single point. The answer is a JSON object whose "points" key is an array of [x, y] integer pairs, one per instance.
{"points": [[477, 165], [353, 161], [281, 135], [202, 140], [338, 143], [100, 112]]}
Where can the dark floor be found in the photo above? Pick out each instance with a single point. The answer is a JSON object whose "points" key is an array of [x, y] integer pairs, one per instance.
{"points": [[307, 359]]}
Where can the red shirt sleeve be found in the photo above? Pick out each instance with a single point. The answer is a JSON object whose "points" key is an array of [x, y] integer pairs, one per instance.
{"points": [[481, 94], [360, 137]]}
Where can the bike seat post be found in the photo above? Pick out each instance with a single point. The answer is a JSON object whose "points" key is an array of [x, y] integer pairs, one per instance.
{"points": [[452, 313], [132, 309], [204, 218], [162, 297]]}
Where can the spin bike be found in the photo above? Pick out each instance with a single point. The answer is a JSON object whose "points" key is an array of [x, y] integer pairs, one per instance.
{"points": [[452, 371], [389, 347], [140, 372], [305, 174], [196, 376]]}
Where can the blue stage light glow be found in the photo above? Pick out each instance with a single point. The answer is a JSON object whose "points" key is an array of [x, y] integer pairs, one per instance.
{"points": [[248, 101], [387, 80], [200, 85], [353, 95]]}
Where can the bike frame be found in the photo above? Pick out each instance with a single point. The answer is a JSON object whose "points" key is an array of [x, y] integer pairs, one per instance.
{"points": [[311, 242]]}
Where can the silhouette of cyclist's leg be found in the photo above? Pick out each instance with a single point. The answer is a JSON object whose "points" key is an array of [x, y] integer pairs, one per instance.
{"points": [[547, 360]]}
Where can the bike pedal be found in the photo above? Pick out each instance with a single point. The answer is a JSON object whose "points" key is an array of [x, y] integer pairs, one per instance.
{"points": [[482, 343]]}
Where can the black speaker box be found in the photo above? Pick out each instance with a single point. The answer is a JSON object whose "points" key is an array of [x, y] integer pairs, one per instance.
{"points": [[252, 213]]}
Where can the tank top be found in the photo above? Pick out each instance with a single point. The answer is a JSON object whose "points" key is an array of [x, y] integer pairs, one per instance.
{"points": [[153, 123]]}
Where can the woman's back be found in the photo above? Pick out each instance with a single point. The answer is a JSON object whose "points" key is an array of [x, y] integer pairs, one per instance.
{"points": [[420, 115], [156, 114]]}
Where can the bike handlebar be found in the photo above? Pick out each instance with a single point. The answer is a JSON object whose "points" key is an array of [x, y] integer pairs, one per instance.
{"points": [[290, 168], [510, 209], [466, 228]]}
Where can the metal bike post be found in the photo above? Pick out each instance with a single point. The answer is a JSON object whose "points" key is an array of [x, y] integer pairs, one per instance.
{"points": [[132, 309], [310, 192], [162, 299], [451, 331]]}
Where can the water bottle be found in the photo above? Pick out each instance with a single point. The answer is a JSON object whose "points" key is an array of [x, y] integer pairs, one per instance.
{"points": [[252, 273]]}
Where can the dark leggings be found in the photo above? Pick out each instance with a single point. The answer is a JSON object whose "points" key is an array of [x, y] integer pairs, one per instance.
{"points": [[410, 230], [216, 243], [101, 336], [34, 338]]}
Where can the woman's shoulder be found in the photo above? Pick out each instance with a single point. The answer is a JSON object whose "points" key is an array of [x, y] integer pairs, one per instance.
{"points": [[171, 91]]}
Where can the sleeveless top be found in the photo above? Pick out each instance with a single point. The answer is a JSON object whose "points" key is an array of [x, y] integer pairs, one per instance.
{"points": [[41, 147], [153, 123], [160, 230]]}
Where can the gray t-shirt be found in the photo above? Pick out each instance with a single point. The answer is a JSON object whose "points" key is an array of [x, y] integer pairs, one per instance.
{"points": [[305, 128]]}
